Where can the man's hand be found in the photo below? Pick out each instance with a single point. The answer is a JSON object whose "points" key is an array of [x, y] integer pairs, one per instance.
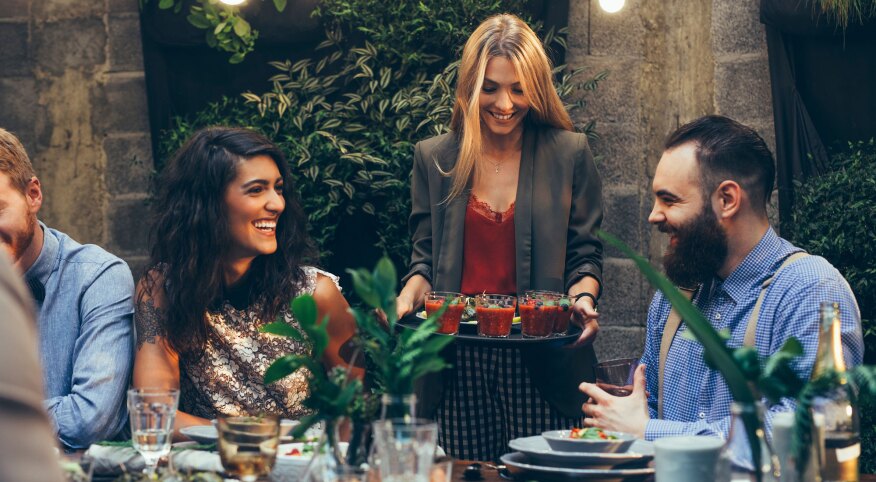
{"points": [[584, 315], [619, 414]]}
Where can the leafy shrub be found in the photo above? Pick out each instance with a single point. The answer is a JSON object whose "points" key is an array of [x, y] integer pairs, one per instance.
{"points": [[349, 117], [833, 217]]}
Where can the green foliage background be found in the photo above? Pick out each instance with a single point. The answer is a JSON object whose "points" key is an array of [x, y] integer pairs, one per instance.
{"points": [[349, 117], [833, 217]]}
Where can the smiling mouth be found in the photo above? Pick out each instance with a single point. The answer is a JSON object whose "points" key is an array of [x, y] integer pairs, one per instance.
{"points": [[266, 226], [502, 116]]}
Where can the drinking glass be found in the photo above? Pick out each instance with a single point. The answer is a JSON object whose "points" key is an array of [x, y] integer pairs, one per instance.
{"points": [[495, 314], [406, 449], [448, 324], [248, 445], [152, 412], [616, 376], [538, 313]]}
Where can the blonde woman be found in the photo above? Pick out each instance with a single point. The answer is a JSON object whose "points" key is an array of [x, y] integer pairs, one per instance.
{"points": [[506, 202]]}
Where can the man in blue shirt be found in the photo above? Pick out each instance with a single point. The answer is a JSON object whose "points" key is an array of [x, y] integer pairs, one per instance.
{"points": [[712, 187], [84, 304]]}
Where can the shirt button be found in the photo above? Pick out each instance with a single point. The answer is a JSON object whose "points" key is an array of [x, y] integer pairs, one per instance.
{"points": [[702, 415], [717, 316]]}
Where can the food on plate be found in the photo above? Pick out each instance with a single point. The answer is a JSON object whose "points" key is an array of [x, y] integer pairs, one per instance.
{"points": [[590, 433]]}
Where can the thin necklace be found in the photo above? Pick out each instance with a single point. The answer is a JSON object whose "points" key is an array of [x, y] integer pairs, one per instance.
{"points": [[495, 164]]}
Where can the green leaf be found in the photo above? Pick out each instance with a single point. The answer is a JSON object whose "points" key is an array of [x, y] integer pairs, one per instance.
{"points": [[280, 5], [165, 4], [284, 366], [283, 329], [304, 309], [198, 21], [242, 27]]}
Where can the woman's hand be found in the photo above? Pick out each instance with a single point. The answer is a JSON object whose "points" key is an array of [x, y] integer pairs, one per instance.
{"points": [[585, 316], [412, 295]]}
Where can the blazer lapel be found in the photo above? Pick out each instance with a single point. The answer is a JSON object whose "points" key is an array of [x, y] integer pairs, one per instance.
{"points": [[452, 238], [523, 211]]}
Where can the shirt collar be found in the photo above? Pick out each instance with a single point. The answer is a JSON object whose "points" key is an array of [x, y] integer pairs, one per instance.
{"points": [[45, 263], [758, 265]]}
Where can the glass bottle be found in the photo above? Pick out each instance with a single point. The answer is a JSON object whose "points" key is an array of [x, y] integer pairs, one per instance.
{"points": [[398, 406], [841, 446], [737, 457]]}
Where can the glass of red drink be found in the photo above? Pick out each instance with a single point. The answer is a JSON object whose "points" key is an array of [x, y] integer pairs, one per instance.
{"points": [[563, 314], [538, 313], [495, 313], [448, 323]]}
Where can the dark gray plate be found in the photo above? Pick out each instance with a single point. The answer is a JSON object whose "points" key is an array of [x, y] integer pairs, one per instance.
{"points": [[468, 335]]}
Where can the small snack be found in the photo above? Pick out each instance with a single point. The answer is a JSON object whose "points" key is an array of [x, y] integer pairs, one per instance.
{"points": [[590, 433]]}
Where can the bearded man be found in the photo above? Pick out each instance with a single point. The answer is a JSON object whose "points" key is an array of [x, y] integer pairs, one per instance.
{"points": [[84, 301], [711, 189]]}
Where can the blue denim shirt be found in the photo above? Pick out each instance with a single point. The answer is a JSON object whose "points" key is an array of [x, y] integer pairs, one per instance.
{"points": [[86, 337]]}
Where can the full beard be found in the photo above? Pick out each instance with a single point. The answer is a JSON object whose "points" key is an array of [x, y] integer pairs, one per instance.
{"points": [[16, 244], [699, 251]]}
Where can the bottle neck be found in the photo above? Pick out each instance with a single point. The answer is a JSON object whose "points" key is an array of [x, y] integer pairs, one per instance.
{"points": [[829, 357]]}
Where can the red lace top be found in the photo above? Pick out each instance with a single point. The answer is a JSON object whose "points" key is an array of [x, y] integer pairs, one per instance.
{"points": [[488, 253]]}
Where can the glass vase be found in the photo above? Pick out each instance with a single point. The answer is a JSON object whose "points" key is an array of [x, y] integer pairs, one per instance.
{"points": [[328, 463], [398, 407], [737, 457]]}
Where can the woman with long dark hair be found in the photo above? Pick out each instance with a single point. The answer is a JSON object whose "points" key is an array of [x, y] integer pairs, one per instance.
{"points": [[229, 253]]}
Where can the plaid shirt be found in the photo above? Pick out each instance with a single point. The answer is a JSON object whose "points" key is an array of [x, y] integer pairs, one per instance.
{"points": [[696, 399]]}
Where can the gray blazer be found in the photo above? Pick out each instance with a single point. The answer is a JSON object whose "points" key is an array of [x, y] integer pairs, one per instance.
{"points": [[557, 210]]}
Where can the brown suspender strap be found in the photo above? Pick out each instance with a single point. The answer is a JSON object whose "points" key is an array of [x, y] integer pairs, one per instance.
{"points": [[673, 322], [751, 329]]}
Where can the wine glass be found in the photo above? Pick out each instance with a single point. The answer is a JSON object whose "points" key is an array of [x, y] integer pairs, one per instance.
{"points": [[248, 445], [152, 412]]}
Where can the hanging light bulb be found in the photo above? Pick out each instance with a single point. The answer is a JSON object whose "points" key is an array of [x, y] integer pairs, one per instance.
{"points": [[234, 3], [611, 6]]}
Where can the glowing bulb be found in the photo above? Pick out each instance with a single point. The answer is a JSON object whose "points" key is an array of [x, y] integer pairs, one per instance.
{"points": [[611, 6], [241, 2]]}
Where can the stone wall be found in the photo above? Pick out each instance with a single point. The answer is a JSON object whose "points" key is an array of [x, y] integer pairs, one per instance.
{"points": [[72, 88], [670, 61]]}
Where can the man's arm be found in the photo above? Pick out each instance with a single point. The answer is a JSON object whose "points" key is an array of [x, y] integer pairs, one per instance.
{"points": [[95, 407]]}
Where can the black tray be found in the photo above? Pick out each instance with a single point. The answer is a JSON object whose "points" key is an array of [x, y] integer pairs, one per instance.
{"points": [[468, 334]]}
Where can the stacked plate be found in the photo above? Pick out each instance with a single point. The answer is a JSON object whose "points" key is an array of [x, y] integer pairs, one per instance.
{"points": [[555, 456]]}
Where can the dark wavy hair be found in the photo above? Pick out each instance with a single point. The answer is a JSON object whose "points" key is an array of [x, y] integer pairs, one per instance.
{"points": [[190, 235]]}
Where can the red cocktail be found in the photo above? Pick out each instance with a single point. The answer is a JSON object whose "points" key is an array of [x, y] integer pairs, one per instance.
{"points": [[538, 313], [563, 315], [448, 323], [495, 314]]}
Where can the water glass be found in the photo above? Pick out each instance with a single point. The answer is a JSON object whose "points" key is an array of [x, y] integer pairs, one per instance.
{"points": [[616, 376], [152, 412], [248, 445], [406, 449], [538, 313], [495, 314]]}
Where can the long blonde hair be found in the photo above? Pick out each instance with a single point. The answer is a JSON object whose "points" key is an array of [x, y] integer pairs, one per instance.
{"points": [[505, 36]]}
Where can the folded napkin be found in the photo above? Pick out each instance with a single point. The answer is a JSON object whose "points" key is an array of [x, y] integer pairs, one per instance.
{"points": [[114, 460]]}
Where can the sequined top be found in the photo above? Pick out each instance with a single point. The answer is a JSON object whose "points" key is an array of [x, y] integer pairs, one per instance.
{"points": [[227, 377]]}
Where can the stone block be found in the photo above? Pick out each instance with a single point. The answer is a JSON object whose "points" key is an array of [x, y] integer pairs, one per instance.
{"points": [[129, 164], [619, 152], [121, 106], [742, 89], [615, 342], [52, 10], [124, 6], [623, 301], [616, 99], [14, 54], [578, 27], [15, 9], [64, 44], [125, 43], [622, 217], [18, 97], [128, 226], [619, 34], [736, 27]]}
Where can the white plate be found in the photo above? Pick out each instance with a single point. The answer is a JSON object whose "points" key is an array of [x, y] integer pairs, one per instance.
{"points": [[205, 434], [518, 464], [538, 451]]}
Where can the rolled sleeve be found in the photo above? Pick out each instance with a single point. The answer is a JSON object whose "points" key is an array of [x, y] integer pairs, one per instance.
{"points": [[103, 359]]}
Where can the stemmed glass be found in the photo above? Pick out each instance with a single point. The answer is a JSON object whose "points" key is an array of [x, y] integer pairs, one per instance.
{"points": [[152, 412]]}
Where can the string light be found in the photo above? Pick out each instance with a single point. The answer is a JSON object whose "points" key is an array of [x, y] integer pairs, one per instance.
{"points": [[611, 6], [234, 3]]}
